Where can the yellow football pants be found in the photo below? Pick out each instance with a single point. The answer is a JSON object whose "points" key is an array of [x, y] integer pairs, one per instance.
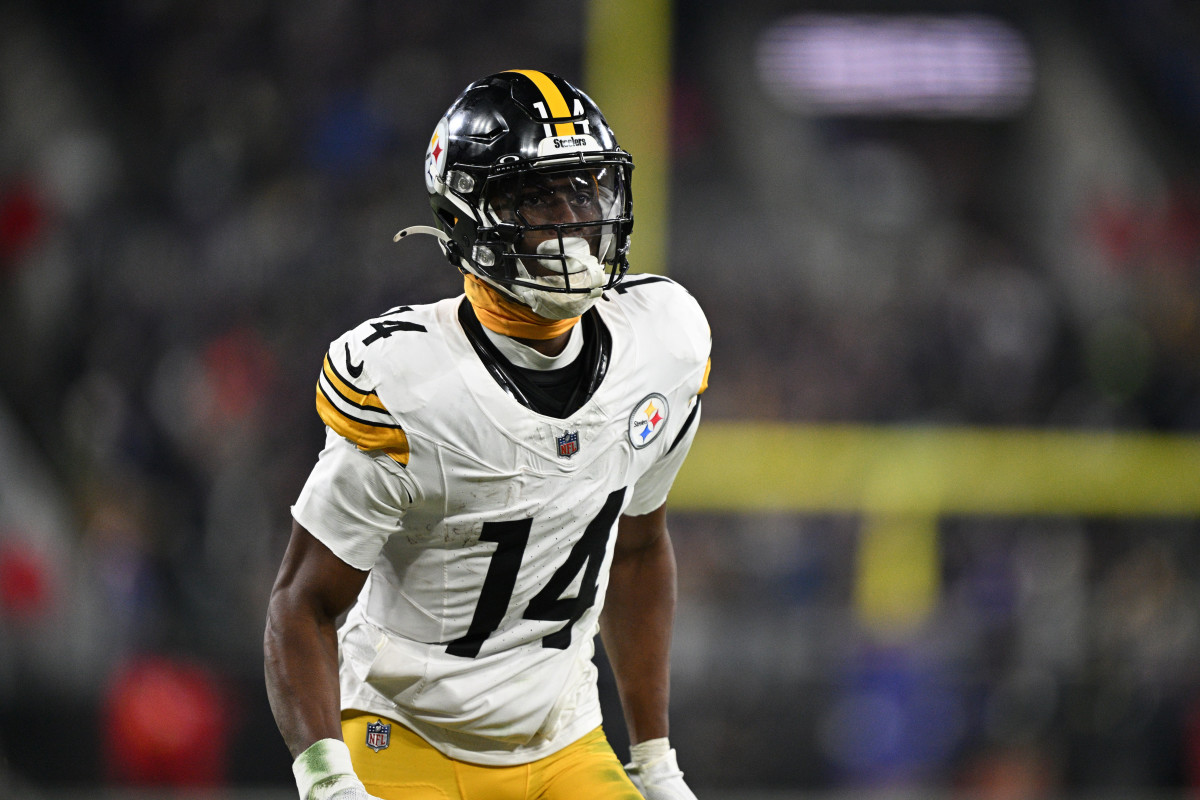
{"points": [[409, 768]]}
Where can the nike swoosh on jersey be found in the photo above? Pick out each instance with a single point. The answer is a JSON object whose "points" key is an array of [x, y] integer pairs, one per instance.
{"points": [[355, 370]]}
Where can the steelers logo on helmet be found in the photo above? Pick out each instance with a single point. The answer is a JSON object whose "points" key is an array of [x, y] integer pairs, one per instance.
{"points": [[647, 420], [435, 156]]}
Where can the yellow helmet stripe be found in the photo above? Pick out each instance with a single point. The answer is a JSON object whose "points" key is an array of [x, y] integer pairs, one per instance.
{"points": [[704, 381], [555, 102]]}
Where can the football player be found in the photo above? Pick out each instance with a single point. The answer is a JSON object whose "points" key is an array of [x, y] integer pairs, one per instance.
{"points": [[495, 473]]}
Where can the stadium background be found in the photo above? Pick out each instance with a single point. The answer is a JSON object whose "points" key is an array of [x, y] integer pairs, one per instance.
{"points": [[939, 534]]}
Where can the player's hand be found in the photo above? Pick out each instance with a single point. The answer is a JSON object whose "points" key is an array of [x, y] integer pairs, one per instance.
{"points": [[324, 772], [655, 772]]}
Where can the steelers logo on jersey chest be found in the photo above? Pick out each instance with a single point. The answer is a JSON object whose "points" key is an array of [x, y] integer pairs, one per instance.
{"points": [[647, 420]]}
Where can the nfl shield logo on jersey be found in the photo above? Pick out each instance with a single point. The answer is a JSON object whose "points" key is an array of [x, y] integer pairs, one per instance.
{"points": [[379, 735], [568, 444]]}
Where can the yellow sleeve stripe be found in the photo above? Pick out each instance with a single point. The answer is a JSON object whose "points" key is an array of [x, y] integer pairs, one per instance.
{"points": [[358, 415], [391, 439], [348, 391], [704, 380], [555, 102]]}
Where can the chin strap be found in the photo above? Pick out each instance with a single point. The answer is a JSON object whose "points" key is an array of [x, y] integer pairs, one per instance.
{"points": [[437, 233]]}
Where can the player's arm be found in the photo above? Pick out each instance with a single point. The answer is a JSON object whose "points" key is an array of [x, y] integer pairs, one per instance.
{"points": [[639, 611], [313, 587], [636, 623]]}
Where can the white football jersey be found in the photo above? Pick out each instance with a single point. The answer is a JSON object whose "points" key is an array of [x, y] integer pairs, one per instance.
{"points": [[488, 528]]}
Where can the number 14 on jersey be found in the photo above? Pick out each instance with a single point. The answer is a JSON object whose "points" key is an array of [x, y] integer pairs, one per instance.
{"points": [[548, 604]]}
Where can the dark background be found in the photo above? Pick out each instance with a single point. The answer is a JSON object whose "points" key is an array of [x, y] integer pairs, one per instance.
{"points": [[196, 197]]}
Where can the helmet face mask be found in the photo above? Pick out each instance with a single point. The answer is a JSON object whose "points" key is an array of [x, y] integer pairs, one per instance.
{"points": [[528, 198], [539, 216]]}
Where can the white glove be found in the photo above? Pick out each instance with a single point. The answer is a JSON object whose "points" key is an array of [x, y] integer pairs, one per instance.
{"points": [[324, 772], [655, 772]]}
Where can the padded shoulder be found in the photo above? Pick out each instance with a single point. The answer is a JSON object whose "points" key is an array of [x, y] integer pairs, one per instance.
{"points": [[347, 397], [667, 312]]}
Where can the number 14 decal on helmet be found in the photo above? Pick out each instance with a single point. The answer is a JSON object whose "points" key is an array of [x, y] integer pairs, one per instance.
{"points": [[577, 111]]}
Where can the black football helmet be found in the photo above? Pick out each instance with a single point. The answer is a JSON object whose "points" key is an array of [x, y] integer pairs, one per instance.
{"points": [[504, 148]]}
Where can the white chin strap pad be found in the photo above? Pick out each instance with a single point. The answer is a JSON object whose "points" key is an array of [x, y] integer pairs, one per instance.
{"points": [[584, 270]]}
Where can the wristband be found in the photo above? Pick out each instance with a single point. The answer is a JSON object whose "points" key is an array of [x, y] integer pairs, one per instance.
{"points": [[648, 751], [323, 769]]}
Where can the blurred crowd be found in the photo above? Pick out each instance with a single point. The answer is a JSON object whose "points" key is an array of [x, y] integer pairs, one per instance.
{"points": [[196, 197]]}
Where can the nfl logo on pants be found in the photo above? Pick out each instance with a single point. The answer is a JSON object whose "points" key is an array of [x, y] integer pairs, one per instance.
{"points": [[379, 735]]}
